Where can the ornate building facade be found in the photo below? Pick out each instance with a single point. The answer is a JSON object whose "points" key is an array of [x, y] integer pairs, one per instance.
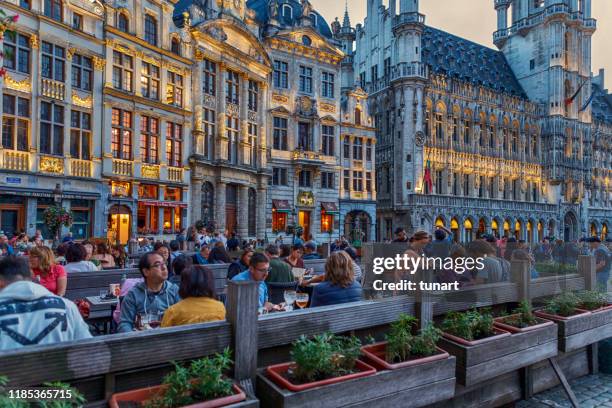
{"points": [[480, 140], [51, 110]]}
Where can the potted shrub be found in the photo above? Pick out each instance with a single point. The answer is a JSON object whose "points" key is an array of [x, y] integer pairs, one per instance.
{"points": [[402, 348], [325, 359], [521, 320], [200, 385], [471, 327], [593, 301], [561, 307]]}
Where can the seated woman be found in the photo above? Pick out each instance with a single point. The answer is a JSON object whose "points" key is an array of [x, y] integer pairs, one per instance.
{"points": [[339, 285], [46, 271], [240, 265], [198, 304], [75, 258], [104, 256]]}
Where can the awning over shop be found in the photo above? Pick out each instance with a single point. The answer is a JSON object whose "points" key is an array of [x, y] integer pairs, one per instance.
{"points": [[330, 208], [281, 206]]}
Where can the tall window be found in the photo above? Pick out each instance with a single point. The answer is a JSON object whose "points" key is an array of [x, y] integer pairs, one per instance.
{"points": [[467, 132], [149, 140], [281, 74], [439, 128], [175, 89], [15, 122], [150, 29], [149, 80], [346, 147], [374, 73], [328, 136], [466, 185], [123, 23], [305, 178], [77, 21], [175, 46], [121, 134], [253, 95], [481, 187], [279, 176], [358, 181], [252, 130], [123, 70], [357, 116], [327, 179], [346, 180], [280, 134], [16, 52], [232, 129], [82, 72], [515, 141], [327, 85], [51, 129], [358, 149], [387, 67], [492, 135], [455, 129], [210, 130], [53, 61], [305, 141], [368, 181], [369, 150], [53, 9], [305, 79], [438, 180], [174, 144], [456, 184], [80, 135], [210, 78], [232, 87]]}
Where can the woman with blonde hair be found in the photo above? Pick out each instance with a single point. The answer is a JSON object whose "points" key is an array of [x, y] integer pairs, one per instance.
{"points": [[46, 272], [339, 285]]}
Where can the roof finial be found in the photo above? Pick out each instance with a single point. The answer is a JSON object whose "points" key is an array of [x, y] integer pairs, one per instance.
{"points": [[347, 21]]}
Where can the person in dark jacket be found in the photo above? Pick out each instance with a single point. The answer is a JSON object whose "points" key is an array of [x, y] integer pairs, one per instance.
{"points": [[240, 265], [233, 243], [310, 251], [218, 254], [339, 285]]}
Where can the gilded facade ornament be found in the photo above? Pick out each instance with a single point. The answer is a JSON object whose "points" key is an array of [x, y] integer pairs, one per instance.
{"points": [[51, 165], [150, 172], [85, 102], [328, 107], [24, 85], [278, 98], [34, 43], [70, 52], [99, 63], [198, 55]]}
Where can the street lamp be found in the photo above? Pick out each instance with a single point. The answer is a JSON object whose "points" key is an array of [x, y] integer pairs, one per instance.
{"points": [[57, 195]]}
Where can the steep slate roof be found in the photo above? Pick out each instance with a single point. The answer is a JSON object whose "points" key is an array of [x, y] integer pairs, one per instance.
{"points": [[602, 105], [460, 58], [261, 12]]}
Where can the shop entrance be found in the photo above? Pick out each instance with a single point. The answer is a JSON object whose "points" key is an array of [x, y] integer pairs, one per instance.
{"points": [[12, 215], [304, 222], [119, 224]]}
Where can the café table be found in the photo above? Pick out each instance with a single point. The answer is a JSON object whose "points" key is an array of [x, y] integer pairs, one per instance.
{"points": [[101, 313]]}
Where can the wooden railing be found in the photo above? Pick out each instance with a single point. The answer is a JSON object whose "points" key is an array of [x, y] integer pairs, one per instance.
{"points": [[123, 167], [80, 168], [16, 160]]}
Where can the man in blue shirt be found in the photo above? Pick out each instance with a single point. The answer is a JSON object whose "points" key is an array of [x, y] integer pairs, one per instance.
{"points": [[257, 272], [603, 262]]}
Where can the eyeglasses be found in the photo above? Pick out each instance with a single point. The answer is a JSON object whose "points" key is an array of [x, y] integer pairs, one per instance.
{"points": [[266, 270], [158, 265]]}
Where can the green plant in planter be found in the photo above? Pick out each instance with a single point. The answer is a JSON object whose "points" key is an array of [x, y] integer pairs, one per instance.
{"points": [[564, 304], [202, 380], [323, 356], [402, 344], [76, 401], [424, 345], [522, 316], [470, 325], [592, 299]]}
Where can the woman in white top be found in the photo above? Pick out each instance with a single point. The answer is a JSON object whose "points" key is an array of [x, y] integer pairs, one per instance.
{"points": [[75, 256]]}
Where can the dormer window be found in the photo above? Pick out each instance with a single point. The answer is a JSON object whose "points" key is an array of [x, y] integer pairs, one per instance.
{"points": [[150, 29], [175, 46], [306, 40], [287, 11], [313, 18], [53, 9], [123, 23]]}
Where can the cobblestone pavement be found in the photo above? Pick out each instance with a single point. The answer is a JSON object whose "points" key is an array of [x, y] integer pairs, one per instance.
{"points": [[593, 391]]}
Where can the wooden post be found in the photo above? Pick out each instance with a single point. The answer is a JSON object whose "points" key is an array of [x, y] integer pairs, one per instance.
{"points": [[521, 275], [424, 300], [586, 268], [242, 306]]}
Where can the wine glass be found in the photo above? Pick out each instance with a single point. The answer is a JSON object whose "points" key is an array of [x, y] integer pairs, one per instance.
{"points": [[301, 300], [154, 320], [290, 297]]}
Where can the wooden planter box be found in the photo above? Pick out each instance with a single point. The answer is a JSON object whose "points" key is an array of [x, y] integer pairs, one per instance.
{"points": [[583, 329], [409, 387], [486, 360], [500, 322]]}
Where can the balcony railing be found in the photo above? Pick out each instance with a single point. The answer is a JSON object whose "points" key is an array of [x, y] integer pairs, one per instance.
{"points": [[53, 89], [175, 174], [408, 18], [150, 171], [16, 160], [123, 167], [438, 201], [80, 168]]}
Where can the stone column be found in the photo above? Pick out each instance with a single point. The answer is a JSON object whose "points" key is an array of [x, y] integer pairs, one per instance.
{"points": [[262, 205], [196, 199], [160, 211], [242, 229], [221, 141], [220, 205]]}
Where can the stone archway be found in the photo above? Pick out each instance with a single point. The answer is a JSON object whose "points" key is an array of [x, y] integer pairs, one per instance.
{"points": [[571, 227]]}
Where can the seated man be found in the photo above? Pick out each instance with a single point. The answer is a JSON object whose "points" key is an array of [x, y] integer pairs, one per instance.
{"points": [[154, 295], [257, 272], [280, 271], [310, 251], [30, 314]]}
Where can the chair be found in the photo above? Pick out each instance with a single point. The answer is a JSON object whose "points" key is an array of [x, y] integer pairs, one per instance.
{"points": [[276, 290]]}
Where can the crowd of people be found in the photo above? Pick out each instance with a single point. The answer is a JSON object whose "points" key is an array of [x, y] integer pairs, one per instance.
{"points": [[177, 286]]}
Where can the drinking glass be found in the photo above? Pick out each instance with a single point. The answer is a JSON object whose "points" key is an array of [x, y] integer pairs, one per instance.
{"points": [[103, 294], [290, 298], [301, 300], [154, 320]]}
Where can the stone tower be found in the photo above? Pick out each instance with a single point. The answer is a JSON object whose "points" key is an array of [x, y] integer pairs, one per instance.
{"points": [[548, 45]]}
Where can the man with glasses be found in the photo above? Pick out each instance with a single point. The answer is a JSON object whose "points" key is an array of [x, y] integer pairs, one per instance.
{"points": [[151, 297], [259, 266]]}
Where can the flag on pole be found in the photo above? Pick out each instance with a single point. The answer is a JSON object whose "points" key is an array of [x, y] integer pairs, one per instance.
{"points": [[588, 102], [427, 178], [570, 100]]}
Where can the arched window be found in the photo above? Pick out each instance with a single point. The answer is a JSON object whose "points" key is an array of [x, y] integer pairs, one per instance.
{"points": [[53, 9], [439, 126], [357, 116], [313, 18], [150, 29], [287, 11], [208, 202], [306, 40], [252, 212], [123, 23], [175, 46], [515, 140]]}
